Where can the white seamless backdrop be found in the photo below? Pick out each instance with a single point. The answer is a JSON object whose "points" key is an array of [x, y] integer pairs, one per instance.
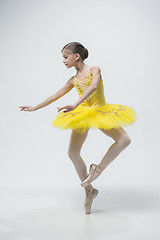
{"points": [[122, 38]]}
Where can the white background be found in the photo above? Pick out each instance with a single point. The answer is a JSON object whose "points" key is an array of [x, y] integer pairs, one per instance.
{"points": [[122, 38]]}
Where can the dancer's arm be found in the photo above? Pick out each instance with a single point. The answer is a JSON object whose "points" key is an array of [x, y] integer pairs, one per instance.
{"points": [[60, 93], [96, 76]]}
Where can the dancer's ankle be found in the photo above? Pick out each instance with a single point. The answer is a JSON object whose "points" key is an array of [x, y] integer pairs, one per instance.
{"points": [[88, 189], [99, 169]]}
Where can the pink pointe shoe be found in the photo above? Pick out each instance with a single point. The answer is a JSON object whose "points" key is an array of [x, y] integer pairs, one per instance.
{"points": [[93, 174], [88, 204]]}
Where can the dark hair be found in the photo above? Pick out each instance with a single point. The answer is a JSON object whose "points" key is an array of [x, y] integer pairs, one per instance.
{"points": [[76, 47]]}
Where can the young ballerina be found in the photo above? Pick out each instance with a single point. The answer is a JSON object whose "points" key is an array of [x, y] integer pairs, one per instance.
{"points": [[90, 111]]}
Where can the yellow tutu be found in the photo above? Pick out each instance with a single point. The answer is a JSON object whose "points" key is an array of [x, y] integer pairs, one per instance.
{"points": [[94, 112]]}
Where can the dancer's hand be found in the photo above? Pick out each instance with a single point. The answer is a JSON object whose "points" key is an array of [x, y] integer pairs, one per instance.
{"points": [[27, 108], [68, 107]]}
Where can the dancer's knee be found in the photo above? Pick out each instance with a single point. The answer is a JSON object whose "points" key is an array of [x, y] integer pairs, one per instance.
{"points": [[124, 141], [72, 153]]}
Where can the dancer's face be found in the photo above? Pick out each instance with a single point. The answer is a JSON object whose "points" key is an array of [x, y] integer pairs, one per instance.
{"points": [[69, 58]]}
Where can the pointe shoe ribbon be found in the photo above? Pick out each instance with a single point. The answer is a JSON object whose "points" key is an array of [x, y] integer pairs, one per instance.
{"points": [[89, 178], [88, 204]]}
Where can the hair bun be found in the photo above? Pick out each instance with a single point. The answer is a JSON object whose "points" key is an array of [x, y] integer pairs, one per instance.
{"points": [[76, 47], [86, 53]]}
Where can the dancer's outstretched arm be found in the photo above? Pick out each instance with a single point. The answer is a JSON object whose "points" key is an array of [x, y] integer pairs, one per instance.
{"points": [[60, 93]]}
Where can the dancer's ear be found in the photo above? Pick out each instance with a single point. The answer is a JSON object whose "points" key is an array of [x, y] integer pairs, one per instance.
{"points": [[77, 56]]}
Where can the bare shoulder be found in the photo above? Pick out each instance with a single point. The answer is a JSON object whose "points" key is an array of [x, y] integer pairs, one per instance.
{"points": [[70, 81], [95, 71]]}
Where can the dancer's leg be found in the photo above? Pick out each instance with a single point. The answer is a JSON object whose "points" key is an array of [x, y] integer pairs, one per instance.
{"points": [[122, 140], [75, 145]]}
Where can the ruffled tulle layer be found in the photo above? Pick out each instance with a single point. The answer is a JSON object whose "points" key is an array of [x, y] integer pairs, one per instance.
{"points": [[107, 116]]}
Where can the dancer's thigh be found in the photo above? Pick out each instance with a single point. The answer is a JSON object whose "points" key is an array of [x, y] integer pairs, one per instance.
{"points": [[116, 133], [76, 141]]}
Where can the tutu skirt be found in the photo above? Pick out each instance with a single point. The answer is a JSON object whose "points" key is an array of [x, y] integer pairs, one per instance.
{"points": [[105, 117]]}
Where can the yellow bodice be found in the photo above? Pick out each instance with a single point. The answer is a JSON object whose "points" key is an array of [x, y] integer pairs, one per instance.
{"points": [[97, 98], [94, 112]]}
